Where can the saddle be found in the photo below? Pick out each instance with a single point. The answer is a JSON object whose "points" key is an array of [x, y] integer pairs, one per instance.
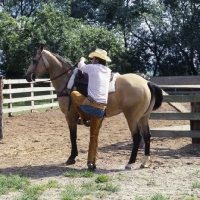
{"points": [[81, 82]]}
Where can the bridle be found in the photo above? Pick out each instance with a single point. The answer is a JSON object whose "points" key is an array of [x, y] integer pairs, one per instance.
{"points": [[37, 61]]}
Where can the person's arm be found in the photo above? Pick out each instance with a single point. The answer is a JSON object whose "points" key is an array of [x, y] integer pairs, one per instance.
{"points": [[81, 63]]}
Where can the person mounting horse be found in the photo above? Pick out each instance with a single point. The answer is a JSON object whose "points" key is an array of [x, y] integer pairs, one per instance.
{"points": [[133, 96], [91, 108]]}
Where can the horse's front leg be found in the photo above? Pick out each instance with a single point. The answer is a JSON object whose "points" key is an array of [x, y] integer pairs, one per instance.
{"points": [[71, 118], [74, 151]]}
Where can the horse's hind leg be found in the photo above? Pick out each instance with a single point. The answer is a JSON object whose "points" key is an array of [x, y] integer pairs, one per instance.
{"points": [[146, 136], [135, 131]]}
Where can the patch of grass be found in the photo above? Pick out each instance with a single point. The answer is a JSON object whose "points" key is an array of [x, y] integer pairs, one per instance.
{"points": [[102, 178], [33, 193], [154, 197], [72, 192], [99, 186], [53, 184], [196, 173], [109, 187], [159, 197], [74, 174], [120, 177], [12, 183], [139, 198], [90, 186], [149, 181], [196, 184], [70, 174]]}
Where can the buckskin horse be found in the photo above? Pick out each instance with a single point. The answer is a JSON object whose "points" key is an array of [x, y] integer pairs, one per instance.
{"points": [[134, 96]]}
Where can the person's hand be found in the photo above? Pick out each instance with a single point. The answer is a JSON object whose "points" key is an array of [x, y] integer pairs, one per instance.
{"points": [[82, 59]]}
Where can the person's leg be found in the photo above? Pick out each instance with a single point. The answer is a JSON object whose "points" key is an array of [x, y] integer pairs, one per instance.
{"points": [[95, 124], [77, 99]]}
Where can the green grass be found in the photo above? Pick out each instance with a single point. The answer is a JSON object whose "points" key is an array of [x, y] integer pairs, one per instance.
{"points": [[74, 174], [154, 197], [196, 184], [34, 192], [196, 173], [13, 183], [102, 178], [149, 181], [97, 186], [72, 192]]}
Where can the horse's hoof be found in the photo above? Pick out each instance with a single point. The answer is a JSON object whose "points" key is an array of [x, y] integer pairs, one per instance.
{"points": [[146, 162], [144, 166], [91, 166], [128, 166], [70, 162]]}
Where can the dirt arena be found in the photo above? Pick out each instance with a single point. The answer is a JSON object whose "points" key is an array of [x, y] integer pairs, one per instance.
{"points": [[37, 144]]}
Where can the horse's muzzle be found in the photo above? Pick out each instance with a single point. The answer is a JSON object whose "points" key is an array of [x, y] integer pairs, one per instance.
{"points": [[30, 77]]}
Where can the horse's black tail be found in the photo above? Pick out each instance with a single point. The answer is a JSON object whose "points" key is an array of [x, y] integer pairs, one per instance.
{"points": [[157, 93]]}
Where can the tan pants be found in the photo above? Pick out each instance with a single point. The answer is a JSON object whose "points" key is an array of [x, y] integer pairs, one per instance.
{"points": [[95, 123]]}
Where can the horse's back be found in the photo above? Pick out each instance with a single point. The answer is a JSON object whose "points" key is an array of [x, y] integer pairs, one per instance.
{"points": [[131, 93]]}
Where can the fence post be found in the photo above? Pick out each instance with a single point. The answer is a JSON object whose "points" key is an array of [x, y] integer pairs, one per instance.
{"points": [[195, 124], [32, 96], [51, 93], [10, 97], [1, 107]]}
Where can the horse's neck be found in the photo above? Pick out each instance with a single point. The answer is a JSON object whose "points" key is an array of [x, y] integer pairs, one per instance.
{"points": [[56, 68]]}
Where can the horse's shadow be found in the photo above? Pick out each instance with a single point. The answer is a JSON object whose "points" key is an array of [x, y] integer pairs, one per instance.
{"points": [[189, 150], [48, 171]]}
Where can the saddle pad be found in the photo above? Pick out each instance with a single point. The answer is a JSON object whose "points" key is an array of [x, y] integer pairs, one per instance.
{"points": [[72, 78], [112, 87]]}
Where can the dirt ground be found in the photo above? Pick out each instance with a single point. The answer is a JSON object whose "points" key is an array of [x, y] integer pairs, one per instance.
{"points": [[37, 144]]}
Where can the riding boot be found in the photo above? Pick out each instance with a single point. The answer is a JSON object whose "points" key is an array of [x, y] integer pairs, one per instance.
{"points": [[95, 124]]}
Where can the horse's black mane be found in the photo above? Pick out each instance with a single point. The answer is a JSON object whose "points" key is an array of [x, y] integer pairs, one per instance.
{"points": [[62, 59]]}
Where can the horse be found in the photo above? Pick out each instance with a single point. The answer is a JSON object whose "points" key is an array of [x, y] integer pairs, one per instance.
{"points": [[135, 96]]}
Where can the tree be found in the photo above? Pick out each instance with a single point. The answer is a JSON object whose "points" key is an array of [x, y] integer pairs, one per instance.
{"points": [[66, 36]]}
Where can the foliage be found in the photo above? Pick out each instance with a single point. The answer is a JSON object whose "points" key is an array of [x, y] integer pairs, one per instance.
{"points": [[158, 37]]}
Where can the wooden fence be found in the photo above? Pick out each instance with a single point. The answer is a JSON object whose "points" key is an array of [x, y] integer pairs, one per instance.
{"points": [[31, 89], [181, 94]]}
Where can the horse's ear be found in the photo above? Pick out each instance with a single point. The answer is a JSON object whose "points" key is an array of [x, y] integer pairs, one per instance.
{"points": [[42, 47]]}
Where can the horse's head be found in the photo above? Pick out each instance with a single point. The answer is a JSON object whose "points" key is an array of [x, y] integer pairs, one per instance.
{"points": [[37, 66]]}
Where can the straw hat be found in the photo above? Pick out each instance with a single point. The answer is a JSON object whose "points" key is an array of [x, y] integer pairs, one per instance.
{"points": [[100, 53]]}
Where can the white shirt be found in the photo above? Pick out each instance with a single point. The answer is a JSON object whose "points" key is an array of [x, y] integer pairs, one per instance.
{"points": [[99, 77]]}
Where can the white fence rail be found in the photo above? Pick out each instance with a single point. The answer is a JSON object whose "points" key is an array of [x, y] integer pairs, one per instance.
{"points": [[31, 89]]}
